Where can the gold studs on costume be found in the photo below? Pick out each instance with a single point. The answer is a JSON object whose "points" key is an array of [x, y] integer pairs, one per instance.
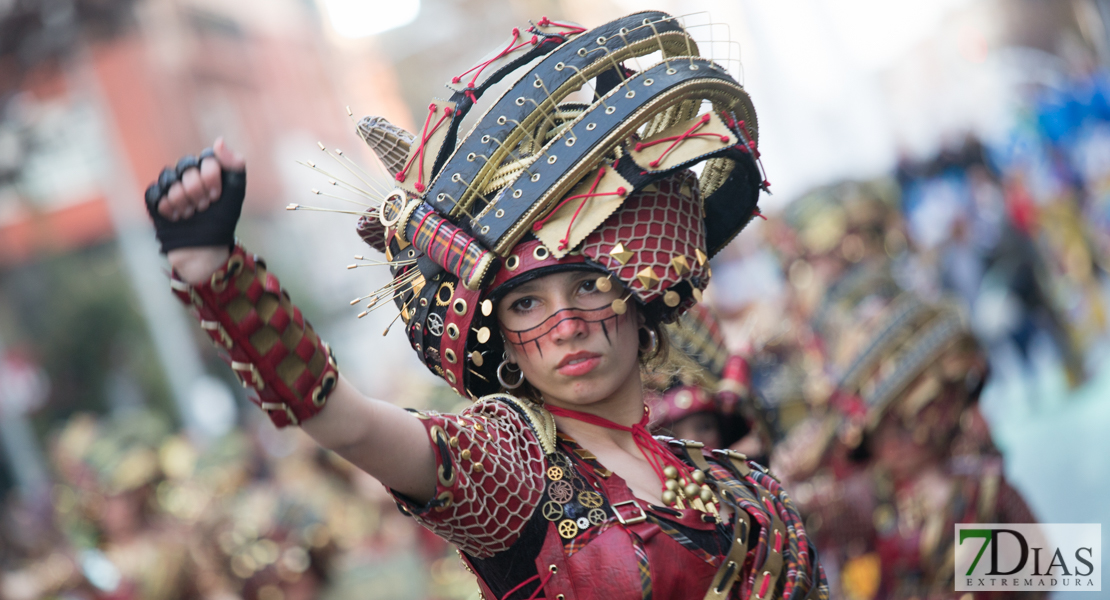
{"points": [[620, 306], [603, 284], [476, 358], [487, 307], [671, 298], [702, 258], [620, 254], [648, 278], [680, 265]]}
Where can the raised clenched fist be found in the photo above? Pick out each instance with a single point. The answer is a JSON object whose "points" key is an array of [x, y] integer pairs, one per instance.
{"points": [[197, 202]]}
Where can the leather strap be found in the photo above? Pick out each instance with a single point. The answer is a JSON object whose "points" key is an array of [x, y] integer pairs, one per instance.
{"points": [[270, 346]]}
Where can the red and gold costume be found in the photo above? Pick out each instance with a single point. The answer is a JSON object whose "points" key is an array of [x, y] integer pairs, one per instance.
{"points": [[535, 515], [543, 184]]}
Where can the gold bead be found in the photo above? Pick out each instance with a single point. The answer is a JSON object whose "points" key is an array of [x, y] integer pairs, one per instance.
{"points": [[669, 497], [698, 476], [671, 485], [466, 454], [670, 472], [691, 490], [603, 284], [483, 335], [706, 495], [619, 306]]}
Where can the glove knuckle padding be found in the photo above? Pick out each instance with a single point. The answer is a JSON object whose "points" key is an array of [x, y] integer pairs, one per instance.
{"points": [[214, 226]]}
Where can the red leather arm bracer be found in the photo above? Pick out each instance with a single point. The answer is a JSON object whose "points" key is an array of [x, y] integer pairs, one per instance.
{"points": [[267, 341], [490, 477]]}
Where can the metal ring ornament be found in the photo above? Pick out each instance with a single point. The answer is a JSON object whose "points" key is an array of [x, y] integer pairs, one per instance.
{"points": [[392, 208], [501, 377]]}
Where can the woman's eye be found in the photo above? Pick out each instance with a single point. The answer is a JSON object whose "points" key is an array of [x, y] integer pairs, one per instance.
{"points": [[523, 304], [588, 286]]}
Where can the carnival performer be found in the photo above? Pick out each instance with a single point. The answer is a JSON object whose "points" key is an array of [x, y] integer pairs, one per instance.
{"points": [[706, 397], [536, 255], [903, 455]]}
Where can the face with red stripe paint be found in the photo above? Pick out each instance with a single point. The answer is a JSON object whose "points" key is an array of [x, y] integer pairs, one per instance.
{"points": [[570, 344]]}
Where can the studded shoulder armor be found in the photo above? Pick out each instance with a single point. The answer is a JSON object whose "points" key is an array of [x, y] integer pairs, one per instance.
{"points": [[490, 466]]}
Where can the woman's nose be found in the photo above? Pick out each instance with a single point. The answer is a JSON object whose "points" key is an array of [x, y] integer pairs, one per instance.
{"points": [[571, 325]]}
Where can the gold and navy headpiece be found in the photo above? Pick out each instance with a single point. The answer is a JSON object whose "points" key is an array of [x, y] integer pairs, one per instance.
{"points": [[543, 181]]}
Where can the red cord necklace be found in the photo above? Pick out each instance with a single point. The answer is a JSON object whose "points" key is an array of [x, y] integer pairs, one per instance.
{"points": [[680, 482]]}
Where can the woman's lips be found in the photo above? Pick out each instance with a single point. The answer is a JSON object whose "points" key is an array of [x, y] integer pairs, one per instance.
{"points": [[578, 364]]}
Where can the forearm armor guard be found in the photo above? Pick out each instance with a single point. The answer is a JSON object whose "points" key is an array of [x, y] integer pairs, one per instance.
{"points": [[264, 338]]}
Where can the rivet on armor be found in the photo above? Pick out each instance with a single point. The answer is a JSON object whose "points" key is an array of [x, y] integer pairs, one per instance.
{"points": [[620, 254], [647, 277], [483, 335], [619, 306], [702, 257], [476, 358], [603, 284], [449, 354], [680, 265], [671, 298], [453, 332], [487, 307]]}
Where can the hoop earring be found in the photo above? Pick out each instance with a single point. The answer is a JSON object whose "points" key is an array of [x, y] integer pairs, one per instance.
{"points": [[512, 368], [653, 341]]}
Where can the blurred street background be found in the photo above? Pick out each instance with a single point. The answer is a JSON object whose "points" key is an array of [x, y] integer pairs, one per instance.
{"points": [[967, 140]]}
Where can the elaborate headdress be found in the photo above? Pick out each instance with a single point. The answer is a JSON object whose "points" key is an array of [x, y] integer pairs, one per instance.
{"points": [[542, 183], [895, 351]]}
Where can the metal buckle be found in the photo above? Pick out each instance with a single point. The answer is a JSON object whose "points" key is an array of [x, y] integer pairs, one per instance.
{"points": [[634, 520]]}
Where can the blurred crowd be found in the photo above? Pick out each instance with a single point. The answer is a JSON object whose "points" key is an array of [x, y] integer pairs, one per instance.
{"points": [[138, 511]]}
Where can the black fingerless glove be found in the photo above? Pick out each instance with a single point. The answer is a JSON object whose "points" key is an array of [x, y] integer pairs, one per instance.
{"points": [[214, 226]]}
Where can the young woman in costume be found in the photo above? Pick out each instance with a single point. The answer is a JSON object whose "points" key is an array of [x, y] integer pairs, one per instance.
{"points": [[535, 259]]}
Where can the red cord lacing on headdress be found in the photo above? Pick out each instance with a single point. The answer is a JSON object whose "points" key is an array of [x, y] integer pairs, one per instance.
{"points": [[621, 191], [425, 135], [482, 66], [678, 139], [572, 29], [656, 452], [750, 146]]}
